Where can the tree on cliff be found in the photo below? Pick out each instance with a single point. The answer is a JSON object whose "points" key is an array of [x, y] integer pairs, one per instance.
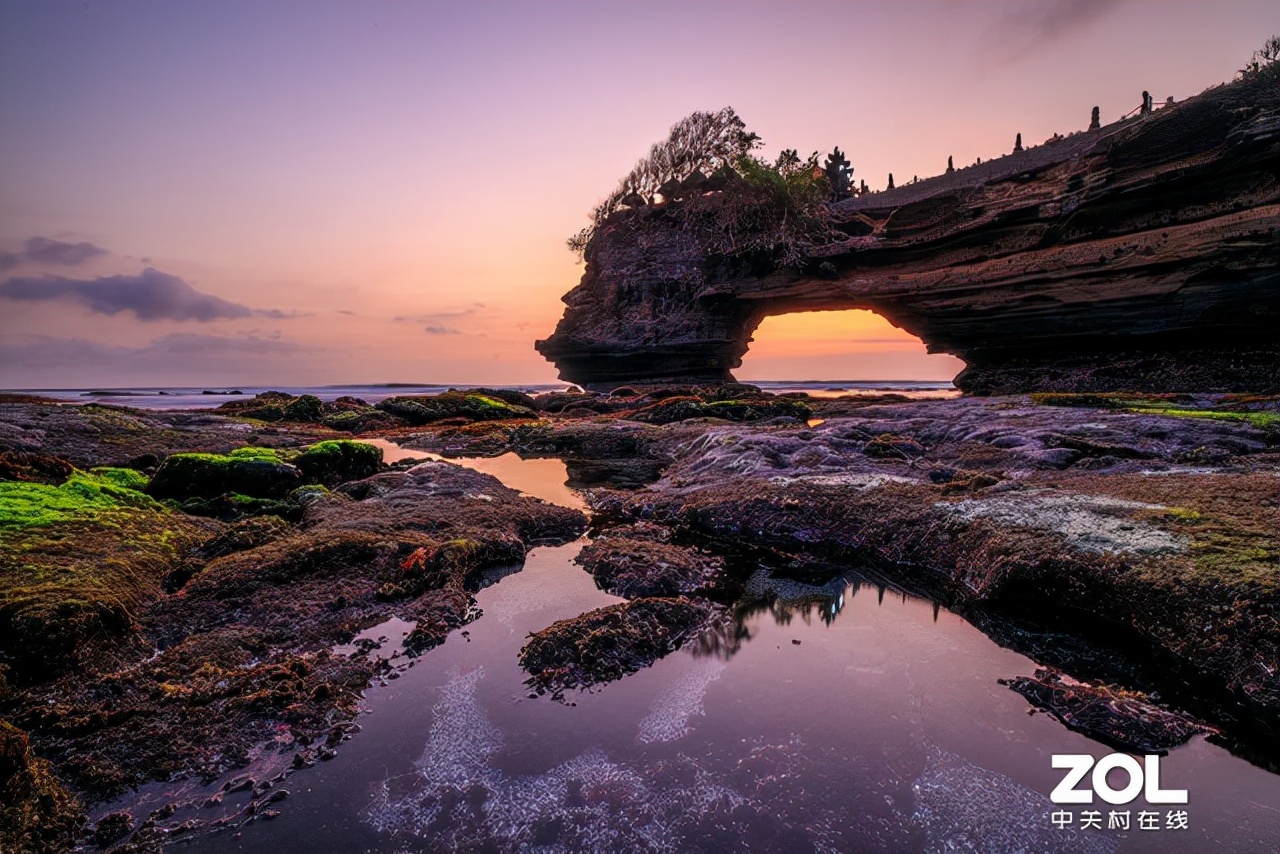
{"points": [[698, 145], [761, 208], [1263, 58]]}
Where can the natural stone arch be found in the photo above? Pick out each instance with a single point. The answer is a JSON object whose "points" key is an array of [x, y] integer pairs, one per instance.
{"points": [[1141, 255]]}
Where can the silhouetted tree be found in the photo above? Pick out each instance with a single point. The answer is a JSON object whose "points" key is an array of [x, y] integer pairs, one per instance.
{"points": [[839, 173], [1262, 58], [699, 143]]}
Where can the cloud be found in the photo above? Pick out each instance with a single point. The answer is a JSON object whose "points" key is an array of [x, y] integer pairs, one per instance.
{"points": [[278, 314], [150, 295], [437, 329], [1030, 27], [436, 316], [46, 250]]}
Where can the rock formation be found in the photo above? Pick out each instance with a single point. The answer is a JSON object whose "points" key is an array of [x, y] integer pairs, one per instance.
{"points": [[1141, 255]]}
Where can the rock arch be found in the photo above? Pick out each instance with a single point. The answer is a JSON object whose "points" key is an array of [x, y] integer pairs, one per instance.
{"points": [[1141, 255]]}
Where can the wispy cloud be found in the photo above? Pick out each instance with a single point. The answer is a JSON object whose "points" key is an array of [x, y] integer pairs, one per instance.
{"points": [[1027, 27], [436, 317], [149, 295], [438, 329], [46, 250]]}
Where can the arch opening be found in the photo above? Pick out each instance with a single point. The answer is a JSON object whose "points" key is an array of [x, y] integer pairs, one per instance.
{"points": [[853, 345]]}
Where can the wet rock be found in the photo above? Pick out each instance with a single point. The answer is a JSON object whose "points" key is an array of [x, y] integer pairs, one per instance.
{"points": [[419, 410], [254, 472], [891, 446], [633, 562], [36, 813], [682, 408], [112, 828], [34, 467], [609, 643], [336, 461], [1126, 720]]}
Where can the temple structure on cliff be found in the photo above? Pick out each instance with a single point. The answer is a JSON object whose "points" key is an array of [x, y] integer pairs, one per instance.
{"points": [[1144, 254]]}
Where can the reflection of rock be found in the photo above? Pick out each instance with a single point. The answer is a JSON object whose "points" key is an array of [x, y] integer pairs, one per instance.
{"points": [[965, 808], [609, 643], [1141, 255], [1114, 716]]}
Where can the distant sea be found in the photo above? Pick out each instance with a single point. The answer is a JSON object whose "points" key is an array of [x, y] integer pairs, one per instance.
{"points": [[212, 396]]}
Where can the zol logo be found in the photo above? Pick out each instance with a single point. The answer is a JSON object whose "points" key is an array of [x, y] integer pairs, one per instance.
{"points": [[1141, 777]]}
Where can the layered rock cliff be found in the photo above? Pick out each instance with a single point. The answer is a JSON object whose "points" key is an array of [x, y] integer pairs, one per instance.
{"points": [[1143, 255]]}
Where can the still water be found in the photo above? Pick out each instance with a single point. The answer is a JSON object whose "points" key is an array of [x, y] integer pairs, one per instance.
{"points": [[844, 718]]}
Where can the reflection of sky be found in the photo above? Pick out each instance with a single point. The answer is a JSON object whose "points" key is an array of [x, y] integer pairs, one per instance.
{"points": [[380, 192]]}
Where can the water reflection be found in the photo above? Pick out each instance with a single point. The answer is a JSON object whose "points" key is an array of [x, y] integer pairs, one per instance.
{"points": [[784, 599]]}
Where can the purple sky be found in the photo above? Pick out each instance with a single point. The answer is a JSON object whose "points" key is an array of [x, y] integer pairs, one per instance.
{"points": [[266, 192]]}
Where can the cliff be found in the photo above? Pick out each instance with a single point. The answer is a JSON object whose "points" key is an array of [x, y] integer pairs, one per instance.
{"points": [[1144, 255]]}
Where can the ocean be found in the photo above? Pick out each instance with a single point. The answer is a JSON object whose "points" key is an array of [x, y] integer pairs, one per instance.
{"points": [[213, 396]]}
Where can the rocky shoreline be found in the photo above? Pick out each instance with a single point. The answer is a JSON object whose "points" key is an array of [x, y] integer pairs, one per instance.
{"points": [[179, 585]]}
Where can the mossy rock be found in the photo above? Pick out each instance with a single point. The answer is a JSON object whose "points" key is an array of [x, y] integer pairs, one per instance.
{"points": [[308, 408], [256, 472], [609, 643], [232, 506], [80, 559], [359, 419], [338, 460], [506, 395], [452, 404]]}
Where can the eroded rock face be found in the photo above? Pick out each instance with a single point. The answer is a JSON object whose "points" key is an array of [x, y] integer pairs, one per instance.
{"points": [[1142, 255]]}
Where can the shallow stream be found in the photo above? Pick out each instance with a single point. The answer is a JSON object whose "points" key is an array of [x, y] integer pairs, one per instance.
{"points": [[848, 717]]}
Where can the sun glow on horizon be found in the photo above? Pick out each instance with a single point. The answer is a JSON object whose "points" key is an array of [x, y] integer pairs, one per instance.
{"points": [[855, 344]]}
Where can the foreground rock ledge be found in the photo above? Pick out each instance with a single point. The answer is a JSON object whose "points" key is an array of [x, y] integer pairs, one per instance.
{"points": [[1144, 255]]}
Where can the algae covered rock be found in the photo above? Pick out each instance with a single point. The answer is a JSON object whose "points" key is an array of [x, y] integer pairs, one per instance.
{"points": [[635, 561], [609, 643], [81, 560], [37, 814], [256, 472], [417, 410], [336, 461]]}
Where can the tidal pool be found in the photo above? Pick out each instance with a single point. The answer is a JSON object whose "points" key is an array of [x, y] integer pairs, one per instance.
{"points": [[844, 717]]}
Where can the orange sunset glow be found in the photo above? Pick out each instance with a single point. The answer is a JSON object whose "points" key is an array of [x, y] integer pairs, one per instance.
{"points": [[257, 193]]}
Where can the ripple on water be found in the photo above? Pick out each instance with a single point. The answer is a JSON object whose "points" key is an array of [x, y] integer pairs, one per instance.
{"points": [[963, 807], [669, 717], [456, 799]]}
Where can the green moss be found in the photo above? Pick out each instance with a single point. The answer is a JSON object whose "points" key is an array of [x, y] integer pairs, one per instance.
{"points": [[337, 460], [252, 452], [85, 495], [452, 404], [1184, 514], [1161, 404], [1260, 420], [76, 561], [122, 477]]}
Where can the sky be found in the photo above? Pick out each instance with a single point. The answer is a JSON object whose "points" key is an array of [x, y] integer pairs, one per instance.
{"points": [[299, 193]]}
